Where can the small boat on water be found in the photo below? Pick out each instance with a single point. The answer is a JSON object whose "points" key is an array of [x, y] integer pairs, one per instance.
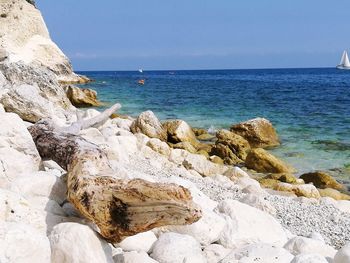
{"points": [[141, 70], [344, 62], [141, 82]]}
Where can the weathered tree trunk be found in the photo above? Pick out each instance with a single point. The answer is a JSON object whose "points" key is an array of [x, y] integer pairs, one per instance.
{"points": [[119, 208]]}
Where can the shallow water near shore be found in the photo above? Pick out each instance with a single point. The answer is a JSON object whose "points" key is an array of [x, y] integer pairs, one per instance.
{"points": [[310, 108]]}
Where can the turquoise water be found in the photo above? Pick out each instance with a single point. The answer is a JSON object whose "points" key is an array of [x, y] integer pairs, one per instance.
{"points": [[310, 108]]}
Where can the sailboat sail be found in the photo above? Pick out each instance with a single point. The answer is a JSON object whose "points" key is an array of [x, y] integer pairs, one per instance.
{"points": [[345, 60]]}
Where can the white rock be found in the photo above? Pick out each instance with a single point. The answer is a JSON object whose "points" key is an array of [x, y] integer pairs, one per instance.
{"points": [[244, 182], [26, 38], [207, 230], [247, 225], [40, 183], [215, 252], [259, 202], [200, 164], [309, 258], [159, 146], [140, 242], [93, 135], [300, 245], [128, 144], [133, 257], [122, 123], [148, 124], [177, 248], [343, 255], [177, 156], [253, 189], [27, 101], [18, 153], [262, 253], [236, 172], [77, 243], [21, 243]]}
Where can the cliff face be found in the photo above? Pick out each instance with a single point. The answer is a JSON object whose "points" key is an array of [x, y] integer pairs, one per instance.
{"points": [[25, 38]]}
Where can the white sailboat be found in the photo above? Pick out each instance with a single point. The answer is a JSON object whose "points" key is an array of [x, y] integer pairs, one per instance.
{"points": [[141, 70], [344, 62]]}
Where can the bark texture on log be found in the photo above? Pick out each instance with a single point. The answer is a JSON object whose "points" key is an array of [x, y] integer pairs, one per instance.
{"points": [[119, 208]]}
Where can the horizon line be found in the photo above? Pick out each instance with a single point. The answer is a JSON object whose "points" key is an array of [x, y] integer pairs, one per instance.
{"points": [[209, 69]]}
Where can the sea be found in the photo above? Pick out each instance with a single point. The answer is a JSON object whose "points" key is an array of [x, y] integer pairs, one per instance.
{"points": [[310, 108]]}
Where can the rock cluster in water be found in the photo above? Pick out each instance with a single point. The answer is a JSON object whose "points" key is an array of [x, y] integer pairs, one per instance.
{"points": [[306, 220]]}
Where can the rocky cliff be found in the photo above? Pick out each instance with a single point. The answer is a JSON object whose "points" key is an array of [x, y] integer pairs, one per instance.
{"points": [[25, 38]]}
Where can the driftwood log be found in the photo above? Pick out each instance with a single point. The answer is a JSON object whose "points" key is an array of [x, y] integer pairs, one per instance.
{"points": [[119, 208]]}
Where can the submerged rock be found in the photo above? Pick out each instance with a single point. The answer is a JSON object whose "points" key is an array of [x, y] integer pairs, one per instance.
{"points": [[82, 97], [264, 162], [321, 180], [259, 132], [148, 124]]}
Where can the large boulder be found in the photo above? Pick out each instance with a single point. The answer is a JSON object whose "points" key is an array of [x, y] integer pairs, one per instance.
{"points": [[81, 97], [77, 243], [18, 153], [25, 37], [21, 243], [179, 131], [237, 144], [224, 152], [33, 93], [321, 180], [176, 248], [148, 124], [247, 225], [259, 132], [264, 162]]}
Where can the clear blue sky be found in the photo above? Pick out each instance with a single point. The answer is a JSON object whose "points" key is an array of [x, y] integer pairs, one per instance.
{"points": [[199, 34]]}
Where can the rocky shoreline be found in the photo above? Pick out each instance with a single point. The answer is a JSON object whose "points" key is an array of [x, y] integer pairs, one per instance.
{"points": [[198, 197]]}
